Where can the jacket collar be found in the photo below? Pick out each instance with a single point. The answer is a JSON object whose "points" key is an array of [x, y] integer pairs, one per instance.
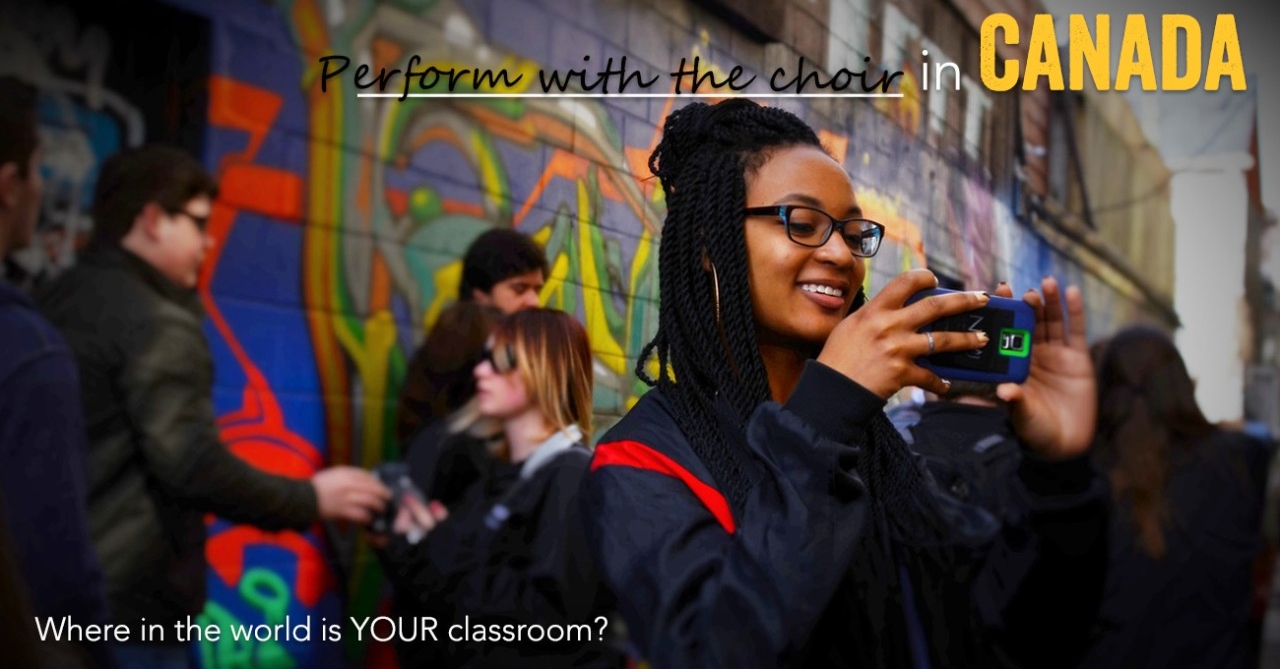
{"points": [[115, 256], [550, 448]]}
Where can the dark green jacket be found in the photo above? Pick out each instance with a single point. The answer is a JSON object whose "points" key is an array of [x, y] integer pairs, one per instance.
{"points": [[156, 462]]}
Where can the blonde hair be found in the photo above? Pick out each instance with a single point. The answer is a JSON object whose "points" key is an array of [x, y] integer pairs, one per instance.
{"points": [[552, 355]]}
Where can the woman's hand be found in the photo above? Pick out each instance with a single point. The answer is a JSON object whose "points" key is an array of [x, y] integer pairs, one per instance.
{"points": [[877, 346], [1055, 409], [415, 520]]}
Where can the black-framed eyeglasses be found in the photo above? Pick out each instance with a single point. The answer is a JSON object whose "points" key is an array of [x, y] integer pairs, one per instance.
{"points": [[200, 221], [812, 227], [501, 363]]}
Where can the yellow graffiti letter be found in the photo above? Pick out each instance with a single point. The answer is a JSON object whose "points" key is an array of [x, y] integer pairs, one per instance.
{"points": [[989, 52], [1224, 55], [1135, 55], [1083, 49], [1170, 80]]}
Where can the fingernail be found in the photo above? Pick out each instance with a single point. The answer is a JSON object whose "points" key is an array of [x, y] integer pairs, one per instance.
{"points": [[982, 337], [1002, 283]]}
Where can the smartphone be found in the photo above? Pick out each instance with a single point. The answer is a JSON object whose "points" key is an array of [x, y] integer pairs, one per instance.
{"points": [[395, 476], [1007, 356]]}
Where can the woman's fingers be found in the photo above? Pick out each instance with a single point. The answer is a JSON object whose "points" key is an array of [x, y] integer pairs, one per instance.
{"points": [[403, 522], [948, 342], [1041, 332], [936, 307], [1075, 316], [879, 345], [1009, 392], [1055, 327], [438, 511], [923, 378], [422, 516], [896, 292]]}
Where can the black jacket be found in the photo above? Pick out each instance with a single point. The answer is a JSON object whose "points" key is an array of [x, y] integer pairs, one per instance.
{"points": [[486, 571], [803, 576], [1192, 608], [156, 462], [974, 454]]}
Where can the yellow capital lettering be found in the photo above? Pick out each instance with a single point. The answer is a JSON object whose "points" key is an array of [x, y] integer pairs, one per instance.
{"points": [[1042, 55], [1170, 80], [988, 52], [1135, 55], [1224, 56], [1083, 50]]}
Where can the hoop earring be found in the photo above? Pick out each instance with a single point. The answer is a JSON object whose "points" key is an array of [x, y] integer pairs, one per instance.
{"points": [[715, 294], [724, 337]]}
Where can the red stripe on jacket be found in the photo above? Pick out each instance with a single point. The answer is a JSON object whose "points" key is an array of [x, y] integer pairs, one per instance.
{"points": [[637, 455]]}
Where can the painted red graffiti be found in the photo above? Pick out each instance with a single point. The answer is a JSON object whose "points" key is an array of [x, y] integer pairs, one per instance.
{"points": [[256, 431]]}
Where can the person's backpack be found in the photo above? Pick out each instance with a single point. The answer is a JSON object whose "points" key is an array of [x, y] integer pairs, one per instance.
{"points": [[977, 469]]}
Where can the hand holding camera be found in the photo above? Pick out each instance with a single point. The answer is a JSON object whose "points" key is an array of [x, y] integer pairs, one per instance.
{"points": [[1008, 325], [408, 512], [1055, 410], [879, 345]]}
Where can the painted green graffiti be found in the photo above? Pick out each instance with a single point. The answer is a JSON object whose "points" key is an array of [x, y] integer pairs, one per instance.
{"points": [[268, 593]]}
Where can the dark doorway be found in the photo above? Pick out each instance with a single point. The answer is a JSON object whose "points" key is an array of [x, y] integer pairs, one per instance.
{"points": [[112, 75]]}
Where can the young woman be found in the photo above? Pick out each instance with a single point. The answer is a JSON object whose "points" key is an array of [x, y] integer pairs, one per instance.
{"points": [[1186, 525], [758, 509], [510, 551]]}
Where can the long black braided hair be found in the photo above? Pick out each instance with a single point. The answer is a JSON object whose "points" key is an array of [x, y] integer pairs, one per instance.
{"points": [[702, 163]]}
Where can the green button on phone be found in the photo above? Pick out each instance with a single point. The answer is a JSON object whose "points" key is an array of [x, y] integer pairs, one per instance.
{"points": [[1015, 342]]}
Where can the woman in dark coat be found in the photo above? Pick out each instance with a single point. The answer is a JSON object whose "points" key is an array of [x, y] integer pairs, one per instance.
{"points": [[1187, 520], [758, 509]]}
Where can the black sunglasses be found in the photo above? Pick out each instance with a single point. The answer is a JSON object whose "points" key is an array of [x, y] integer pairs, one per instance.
{"points": [[812, 227], [501, 363]]}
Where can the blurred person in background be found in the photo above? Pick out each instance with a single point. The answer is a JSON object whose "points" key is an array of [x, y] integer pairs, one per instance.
{"points": [[509, 549], [1185, 528], [157, 464], [504, 270], [43, 444]]}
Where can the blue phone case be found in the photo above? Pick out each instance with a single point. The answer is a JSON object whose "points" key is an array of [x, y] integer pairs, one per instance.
{"points": [[1006, 358]]}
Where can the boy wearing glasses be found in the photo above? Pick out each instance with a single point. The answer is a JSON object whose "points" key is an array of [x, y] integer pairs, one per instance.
{"points": [[156, 461]]}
